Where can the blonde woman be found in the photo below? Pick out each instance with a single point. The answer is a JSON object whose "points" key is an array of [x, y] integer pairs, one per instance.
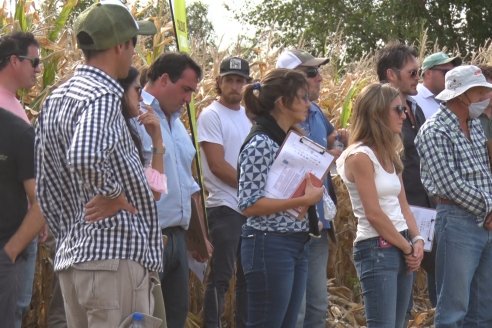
{"points": [[370, 167]]}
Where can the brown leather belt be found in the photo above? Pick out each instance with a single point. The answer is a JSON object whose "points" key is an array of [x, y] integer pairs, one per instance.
{"points": [[445, 201]]}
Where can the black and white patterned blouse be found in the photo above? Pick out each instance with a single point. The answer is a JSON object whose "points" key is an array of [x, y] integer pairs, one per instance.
{"points": [[255, 161]]}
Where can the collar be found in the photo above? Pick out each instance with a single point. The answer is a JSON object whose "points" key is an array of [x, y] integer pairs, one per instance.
{"points": [[149, 99], [424, 92], [313, 107], [449, 118], [268, 124], [94, 73]]}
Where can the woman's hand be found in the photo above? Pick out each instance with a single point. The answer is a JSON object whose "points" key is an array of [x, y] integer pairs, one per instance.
{"points": [[413, 260], [312, 194], [152, 125]]}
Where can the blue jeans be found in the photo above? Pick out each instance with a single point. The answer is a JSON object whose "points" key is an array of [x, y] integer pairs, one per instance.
{"points": [[26, 279], [275, 268], [225, 232], [315, 303], [386, 283], [174, 279], [463, 270], [10, 286]]}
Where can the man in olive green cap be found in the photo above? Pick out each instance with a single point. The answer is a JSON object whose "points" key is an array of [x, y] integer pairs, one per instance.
{"points": [[433, 69], [90, 184]]}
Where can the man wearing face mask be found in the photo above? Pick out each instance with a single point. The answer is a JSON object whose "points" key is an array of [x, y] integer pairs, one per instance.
{"points": [[455, 170]]}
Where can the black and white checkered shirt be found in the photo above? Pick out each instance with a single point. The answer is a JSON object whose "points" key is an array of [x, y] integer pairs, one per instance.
{"points": [[454, 167], [83, 149]]}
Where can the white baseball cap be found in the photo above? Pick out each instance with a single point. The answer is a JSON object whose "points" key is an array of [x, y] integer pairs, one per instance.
{"points": [[292, 58]]}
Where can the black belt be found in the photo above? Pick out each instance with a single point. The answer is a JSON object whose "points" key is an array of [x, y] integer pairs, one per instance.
{"points": [[170, 230]]}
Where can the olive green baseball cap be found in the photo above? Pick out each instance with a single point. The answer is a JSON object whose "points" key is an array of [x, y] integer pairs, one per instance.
{"points": [[108, 23]]}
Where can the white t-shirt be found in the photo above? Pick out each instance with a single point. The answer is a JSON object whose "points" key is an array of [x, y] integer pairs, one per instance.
{"points": [[227, 127], [426, 100], [388, 188]]}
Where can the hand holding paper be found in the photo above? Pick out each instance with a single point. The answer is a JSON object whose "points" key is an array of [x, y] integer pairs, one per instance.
{"points": [[313, 190]]}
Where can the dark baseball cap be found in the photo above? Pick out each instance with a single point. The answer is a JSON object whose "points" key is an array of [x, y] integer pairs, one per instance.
{"points": [[235, 66]]}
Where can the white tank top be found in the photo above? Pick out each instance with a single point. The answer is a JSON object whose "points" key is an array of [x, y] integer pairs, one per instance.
{"points": [[388, 188]]}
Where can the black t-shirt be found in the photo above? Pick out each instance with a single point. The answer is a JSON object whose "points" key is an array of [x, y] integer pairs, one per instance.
{"points": [[16, 166]]}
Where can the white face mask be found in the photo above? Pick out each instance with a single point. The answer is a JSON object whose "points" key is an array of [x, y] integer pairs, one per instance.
{"points": [[476, 109]]}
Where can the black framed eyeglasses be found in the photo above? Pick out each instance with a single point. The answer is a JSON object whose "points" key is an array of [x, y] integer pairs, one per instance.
{"points": [[400, 109], [34, 61], [311, 72]]}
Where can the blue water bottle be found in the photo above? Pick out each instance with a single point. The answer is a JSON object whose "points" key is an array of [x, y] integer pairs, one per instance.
{"points": [[137, 320]]}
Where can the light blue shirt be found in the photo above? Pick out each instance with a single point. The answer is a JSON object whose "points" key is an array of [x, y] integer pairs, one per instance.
{"points": [[318, 129], [174, 209]]}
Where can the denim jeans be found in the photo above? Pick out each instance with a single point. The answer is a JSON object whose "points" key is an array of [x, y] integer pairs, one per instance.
{"points": [[463, 270], [225, 232], [26, 279], [275, 268], [386, 283], [315, 301], [10, 287], [174, 279]]}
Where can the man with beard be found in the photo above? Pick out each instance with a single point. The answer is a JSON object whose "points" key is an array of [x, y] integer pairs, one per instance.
{"points": [[222, 128]]}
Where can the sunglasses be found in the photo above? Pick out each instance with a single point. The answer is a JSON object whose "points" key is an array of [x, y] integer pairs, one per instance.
{"points": [[413, 73], [400, 109], [34, 61], [311, 72]]}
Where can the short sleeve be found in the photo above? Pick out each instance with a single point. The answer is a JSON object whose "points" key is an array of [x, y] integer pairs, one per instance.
{"points": [[209, 127], [25, 154]]}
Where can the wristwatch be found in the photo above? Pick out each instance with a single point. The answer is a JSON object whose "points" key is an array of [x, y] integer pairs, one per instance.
{"points": [[158, 151], [417, 238]]}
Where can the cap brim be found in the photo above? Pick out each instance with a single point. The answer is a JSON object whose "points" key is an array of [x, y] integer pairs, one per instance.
{"points": [[315, 62], [446, 95], [236, 73], [456, 61], [146, 28]]}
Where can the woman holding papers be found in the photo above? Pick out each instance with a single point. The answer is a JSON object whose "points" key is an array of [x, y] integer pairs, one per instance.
{"points": [[370, 167], [274, 243]]}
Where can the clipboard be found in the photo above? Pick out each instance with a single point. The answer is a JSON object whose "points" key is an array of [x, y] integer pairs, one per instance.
{"points": [[425, 218], [298, 156]]}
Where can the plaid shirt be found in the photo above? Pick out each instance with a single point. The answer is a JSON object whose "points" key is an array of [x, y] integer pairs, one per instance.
{"points": [[83, 149], [454, 167]]}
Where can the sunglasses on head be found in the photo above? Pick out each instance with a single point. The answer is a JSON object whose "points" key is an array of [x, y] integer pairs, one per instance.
{"points": [[34, 61], [311, 71], [400, 109]]}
